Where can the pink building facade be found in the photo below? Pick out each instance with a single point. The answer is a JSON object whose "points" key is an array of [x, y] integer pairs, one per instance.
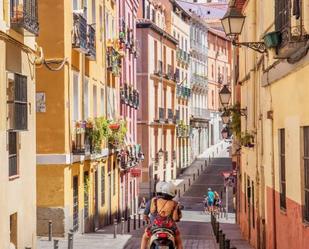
{"points": [[129, 104]]}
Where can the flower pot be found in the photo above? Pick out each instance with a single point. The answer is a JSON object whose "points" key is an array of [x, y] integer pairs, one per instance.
{"points": [[272, 39], [114, 127]]}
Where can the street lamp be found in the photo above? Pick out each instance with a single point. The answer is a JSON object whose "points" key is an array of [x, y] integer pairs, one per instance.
{"points": [[233, 22], [225, 117], [225, 96]]}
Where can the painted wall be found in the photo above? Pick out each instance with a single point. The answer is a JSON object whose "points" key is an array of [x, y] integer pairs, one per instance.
{"points": [[274, 102], [17, 193]]}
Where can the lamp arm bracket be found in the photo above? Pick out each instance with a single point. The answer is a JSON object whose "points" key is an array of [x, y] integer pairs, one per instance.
{"points": [[256, 46]]}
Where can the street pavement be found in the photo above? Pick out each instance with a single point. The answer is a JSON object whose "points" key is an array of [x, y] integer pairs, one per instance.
{"points": [[195, 226]]}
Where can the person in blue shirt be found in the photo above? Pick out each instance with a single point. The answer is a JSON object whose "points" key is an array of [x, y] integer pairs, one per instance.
{"points": [[211, 199]]}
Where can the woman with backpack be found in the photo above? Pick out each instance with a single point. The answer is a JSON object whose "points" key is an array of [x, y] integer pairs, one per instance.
{"points": [[165, 211]]}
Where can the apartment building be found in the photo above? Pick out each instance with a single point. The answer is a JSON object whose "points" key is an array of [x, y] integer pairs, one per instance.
{"points": [[129, 105], [77, 168], [178, 20], [157, 87], [17, 123], [219, 74], [271, 153]]}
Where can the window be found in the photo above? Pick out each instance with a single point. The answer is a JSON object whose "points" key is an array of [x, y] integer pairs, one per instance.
{"points": [[13, 229], [282, 14], [253, 206], [114, 178], [212, 98], [101, 23], [102, 101], [282, 168], [212, 71], [76, 4], [75, 97], [306, 173], [102, 186], [13, 150], [95, 102], [86, 99], [93, 11], [86, 194], [17, 102]]}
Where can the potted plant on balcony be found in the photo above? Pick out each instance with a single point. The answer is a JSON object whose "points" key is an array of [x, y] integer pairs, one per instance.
{"points": [[247, 139], [116, 136], [114, 126], [272, 39], [79, 142]]}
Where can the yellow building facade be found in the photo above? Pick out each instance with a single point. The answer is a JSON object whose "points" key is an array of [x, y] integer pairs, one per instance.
{"points": [[273, 201], [77, 184], [17, 124]]}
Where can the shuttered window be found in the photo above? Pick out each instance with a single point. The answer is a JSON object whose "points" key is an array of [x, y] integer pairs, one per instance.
{"points": [[12, 146], [282, 14], [17, 103], [306, 173], [282, 168]]}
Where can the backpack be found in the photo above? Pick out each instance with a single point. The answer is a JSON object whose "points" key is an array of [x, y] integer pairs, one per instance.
{"points": [[163, 222]]}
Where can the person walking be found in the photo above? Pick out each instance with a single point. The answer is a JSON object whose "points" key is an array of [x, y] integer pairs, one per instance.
{"points": [[211, 199]]}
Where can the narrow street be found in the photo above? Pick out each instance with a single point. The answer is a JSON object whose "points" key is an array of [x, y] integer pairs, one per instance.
{"points": [[195, 227]]}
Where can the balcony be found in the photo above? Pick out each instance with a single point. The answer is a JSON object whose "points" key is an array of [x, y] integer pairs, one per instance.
{"points": [[182, 130], [82, 142], [177, 116], [170, 73], [79, 39], [170, 115], [24, 16], [183, 92], [182, 56], [177, 75], [159, 68], [129, 96], [220, 78], [198, 80], [161, 115], [113, 58], [174, 155], [200, 113], [166, 156], [91, 40]]}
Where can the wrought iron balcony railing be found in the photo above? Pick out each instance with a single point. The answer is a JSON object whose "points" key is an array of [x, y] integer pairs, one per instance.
{"points": [[197, 79], [177, 116], [79, 39], [91, 41], [24, 15], [161, 114], [201, 113], [183, 92], [170, 115]]}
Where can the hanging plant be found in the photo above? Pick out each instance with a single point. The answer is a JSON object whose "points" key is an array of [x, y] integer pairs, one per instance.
{"points": [[247, 139], [236, 121]]}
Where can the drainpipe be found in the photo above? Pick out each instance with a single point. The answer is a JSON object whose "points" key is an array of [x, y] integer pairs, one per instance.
{"points": [[274, 187]]}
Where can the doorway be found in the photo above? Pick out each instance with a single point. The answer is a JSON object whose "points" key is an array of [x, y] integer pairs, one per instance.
{"points": [[75, 204]]}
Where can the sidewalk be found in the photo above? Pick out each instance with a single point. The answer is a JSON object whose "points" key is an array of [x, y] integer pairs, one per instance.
{"points": [[233, 233], [87, 241]]}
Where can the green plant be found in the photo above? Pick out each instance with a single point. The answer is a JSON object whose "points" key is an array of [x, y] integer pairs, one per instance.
{"points": [[247, 139], [236, 121], [116, 137]]}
